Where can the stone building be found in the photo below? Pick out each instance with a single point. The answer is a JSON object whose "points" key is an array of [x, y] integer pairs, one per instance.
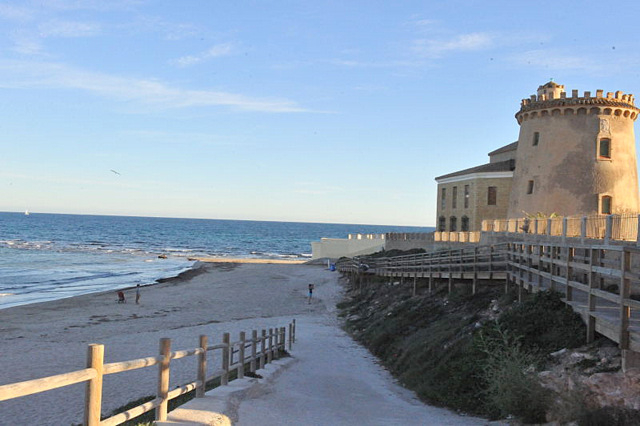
{"points": [[574, 156], [467, 197]]}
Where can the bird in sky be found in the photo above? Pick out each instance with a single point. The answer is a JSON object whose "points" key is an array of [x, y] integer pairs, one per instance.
{"points": [[115, 172]]}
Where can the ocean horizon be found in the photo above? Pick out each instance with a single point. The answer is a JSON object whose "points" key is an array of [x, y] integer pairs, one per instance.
{"points": [[48, 256]]}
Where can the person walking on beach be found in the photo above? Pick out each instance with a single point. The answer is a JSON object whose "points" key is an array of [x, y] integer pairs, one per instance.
{"points": [[311, 286], [138, 294]]}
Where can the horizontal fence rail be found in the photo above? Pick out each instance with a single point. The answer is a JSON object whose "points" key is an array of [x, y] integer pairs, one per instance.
{"points": [[600, 282], [475, 263], [255, 351], [619, 227]]}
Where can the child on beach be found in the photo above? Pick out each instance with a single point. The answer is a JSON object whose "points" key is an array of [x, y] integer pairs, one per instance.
{"points": [[138, 294], [311, 286]]}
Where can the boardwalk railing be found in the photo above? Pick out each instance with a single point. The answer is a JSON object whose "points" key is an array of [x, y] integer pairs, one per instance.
{"points": [[598, 282], [620, 227], [474, 263], [262, 349]]}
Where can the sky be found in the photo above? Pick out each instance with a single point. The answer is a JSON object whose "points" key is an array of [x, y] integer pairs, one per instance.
{"points": [[310, 111]]}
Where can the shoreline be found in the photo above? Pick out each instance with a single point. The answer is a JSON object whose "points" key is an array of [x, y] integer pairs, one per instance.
{"points": [[213, 299]]}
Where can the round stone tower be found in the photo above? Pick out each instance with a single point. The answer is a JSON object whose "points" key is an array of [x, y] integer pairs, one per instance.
{"points": [[576, 155]]}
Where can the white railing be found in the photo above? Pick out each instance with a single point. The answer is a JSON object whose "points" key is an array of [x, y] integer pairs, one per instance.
{"points": [[622, 227]]}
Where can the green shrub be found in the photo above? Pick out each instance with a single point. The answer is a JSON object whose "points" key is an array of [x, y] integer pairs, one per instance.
{"points": [[545, 323], [512, 388]]}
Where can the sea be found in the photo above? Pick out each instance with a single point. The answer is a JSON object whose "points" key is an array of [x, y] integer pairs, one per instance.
{"points": [[46, 257]]}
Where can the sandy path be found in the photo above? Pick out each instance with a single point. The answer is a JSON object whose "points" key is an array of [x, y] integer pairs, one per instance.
{"points": [[51, 338]]}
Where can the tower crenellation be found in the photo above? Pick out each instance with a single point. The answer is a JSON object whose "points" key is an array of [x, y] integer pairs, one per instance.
{"points": [[552, 96], [576, 155]]}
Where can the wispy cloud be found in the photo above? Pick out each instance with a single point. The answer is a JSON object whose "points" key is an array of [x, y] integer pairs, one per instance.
{"points": [[436, 48], [213, 52], [558, 60], [155, 93], [15, 13], [57, 28], [182, 138]]}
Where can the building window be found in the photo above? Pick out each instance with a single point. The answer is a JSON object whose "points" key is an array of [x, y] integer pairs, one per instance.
{"points": [[466, 196], [464, 224], [536, 138], [442, 223], [454, 197], [443, 199], [530, 187], [453, 224], [492, 195], [604, 149], [605, 204]]}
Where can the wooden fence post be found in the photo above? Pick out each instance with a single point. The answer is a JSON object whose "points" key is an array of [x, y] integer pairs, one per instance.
{"points": [[294, 330], [254, 351], [202, 367], [625, 287], [568, 273], [224, 379], [243, 342], [163, 379], [263, 348], [608, 228], [93, 396], [591, 298], [270, 349], [290, 336], [475, 270]]}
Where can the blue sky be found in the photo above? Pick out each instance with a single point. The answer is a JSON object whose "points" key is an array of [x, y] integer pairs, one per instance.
{"points": [[320, 111]]}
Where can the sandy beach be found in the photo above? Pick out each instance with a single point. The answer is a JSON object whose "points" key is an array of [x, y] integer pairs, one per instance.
{"points": [[51, 338]]}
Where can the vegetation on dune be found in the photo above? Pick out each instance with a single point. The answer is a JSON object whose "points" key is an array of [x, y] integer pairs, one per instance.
{"points": [[454, 350]]}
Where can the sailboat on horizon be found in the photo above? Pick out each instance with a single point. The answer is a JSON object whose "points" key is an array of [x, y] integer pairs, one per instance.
{"points": [[26, 212]]}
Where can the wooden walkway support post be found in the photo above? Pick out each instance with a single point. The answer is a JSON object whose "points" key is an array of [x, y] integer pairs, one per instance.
{"points": [[254, 350], [241, 357], [163, 379], [294, 330], [93, 396], [226, 351], [290, 336], [202, 367]]}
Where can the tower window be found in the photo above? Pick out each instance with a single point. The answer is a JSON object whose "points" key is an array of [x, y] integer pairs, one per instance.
{"points": [[466, 196], [443, 199], [442, 223], [530, 187], [604, 150], [536, 138], [454, 197], [605, 204], [492, 195], [453, 224]]}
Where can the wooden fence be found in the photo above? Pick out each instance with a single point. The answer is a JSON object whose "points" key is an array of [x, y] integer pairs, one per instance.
{"points": [[235, 355], [619, 227], [473, 263], [601, 283]]}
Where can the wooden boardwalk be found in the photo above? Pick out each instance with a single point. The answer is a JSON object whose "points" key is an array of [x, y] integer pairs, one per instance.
{"points": [[600, 282]]}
